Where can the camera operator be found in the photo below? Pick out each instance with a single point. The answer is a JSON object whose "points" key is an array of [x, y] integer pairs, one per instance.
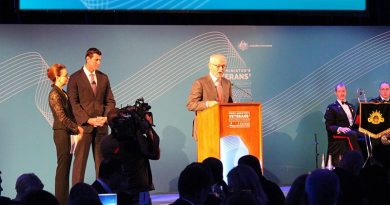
{"points": [[134, 142]]}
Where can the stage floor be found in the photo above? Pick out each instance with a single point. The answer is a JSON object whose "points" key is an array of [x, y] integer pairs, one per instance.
{"points": [[165, 199]]}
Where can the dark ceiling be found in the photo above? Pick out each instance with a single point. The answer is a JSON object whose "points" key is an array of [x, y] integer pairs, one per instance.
{"points": [[378, 13]]}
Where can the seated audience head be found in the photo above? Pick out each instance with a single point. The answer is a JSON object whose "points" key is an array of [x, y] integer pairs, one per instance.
{"points": [[322, 187], [216, 168], [384, 90], [25, 184], [296, 195], [241, 198], [252, 162], [110, 171], [244, 178], [40, 197], [352, 162], [82, 193], [194, 183]]}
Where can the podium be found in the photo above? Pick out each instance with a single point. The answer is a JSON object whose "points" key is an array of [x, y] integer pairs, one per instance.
{"points": [[229, 119]]}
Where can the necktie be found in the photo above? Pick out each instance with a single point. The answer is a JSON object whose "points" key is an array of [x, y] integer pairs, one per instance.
{"points": [[93, 83], [219, 91]]}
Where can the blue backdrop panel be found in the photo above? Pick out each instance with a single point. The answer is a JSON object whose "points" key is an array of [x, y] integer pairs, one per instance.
{"points": [[291, 70]]}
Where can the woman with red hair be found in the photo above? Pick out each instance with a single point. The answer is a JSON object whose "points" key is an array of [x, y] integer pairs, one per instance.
{"points": [[64, 126]]}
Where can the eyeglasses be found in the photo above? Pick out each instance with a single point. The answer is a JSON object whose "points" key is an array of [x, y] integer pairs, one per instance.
{"points": [[222, 66]]}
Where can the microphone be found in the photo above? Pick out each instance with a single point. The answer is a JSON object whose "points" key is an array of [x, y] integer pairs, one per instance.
{"points": [[244, 91]]}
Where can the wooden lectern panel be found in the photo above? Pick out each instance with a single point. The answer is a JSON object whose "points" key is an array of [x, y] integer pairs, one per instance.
{"points": [[229, 119], [208, 129]]}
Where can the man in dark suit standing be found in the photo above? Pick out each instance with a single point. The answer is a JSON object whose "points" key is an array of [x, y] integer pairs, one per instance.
{"points": [[210, 89], [91, 98], [339, 121]]}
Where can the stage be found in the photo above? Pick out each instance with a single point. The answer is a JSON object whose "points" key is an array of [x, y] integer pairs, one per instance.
{"points": [[165, 199]]}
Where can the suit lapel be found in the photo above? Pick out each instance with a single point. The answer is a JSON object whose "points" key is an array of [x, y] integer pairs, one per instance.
{"points": [[86, 82], [341, 110], [351, 109], [99, 82], [344, 113], [211, 87], [225, 90]]}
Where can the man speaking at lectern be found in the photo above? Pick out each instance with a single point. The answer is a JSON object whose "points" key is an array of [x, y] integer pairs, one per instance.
{"points": [[210, 89]]}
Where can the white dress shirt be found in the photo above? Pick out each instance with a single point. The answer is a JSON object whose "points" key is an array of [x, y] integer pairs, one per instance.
{"points": [[86, 71], [347, 110]]}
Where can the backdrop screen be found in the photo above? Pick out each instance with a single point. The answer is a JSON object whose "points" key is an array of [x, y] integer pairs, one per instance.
{"points": [[201, 5]]}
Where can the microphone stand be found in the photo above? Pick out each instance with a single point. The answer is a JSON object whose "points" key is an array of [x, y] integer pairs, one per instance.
{"points": [[316, 145], [367, 139]]}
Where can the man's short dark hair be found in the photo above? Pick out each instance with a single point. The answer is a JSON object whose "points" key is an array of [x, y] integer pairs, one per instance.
{"points": [[91, 51]]}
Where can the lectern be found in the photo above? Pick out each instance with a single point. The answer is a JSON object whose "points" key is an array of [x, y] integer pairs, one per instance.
{"points": [[229, 119]]}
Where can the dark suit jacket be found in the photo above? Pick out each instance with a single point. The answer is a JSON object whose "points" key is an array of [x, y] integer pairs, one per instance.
{"points": [[62, 112], [336, 117], [203, 89], [378, 100], [84, 103]]}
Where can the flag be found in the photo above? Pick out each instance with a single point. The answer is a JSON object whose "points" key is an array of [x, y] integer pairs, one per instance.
{"points": [[374, 119]]}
